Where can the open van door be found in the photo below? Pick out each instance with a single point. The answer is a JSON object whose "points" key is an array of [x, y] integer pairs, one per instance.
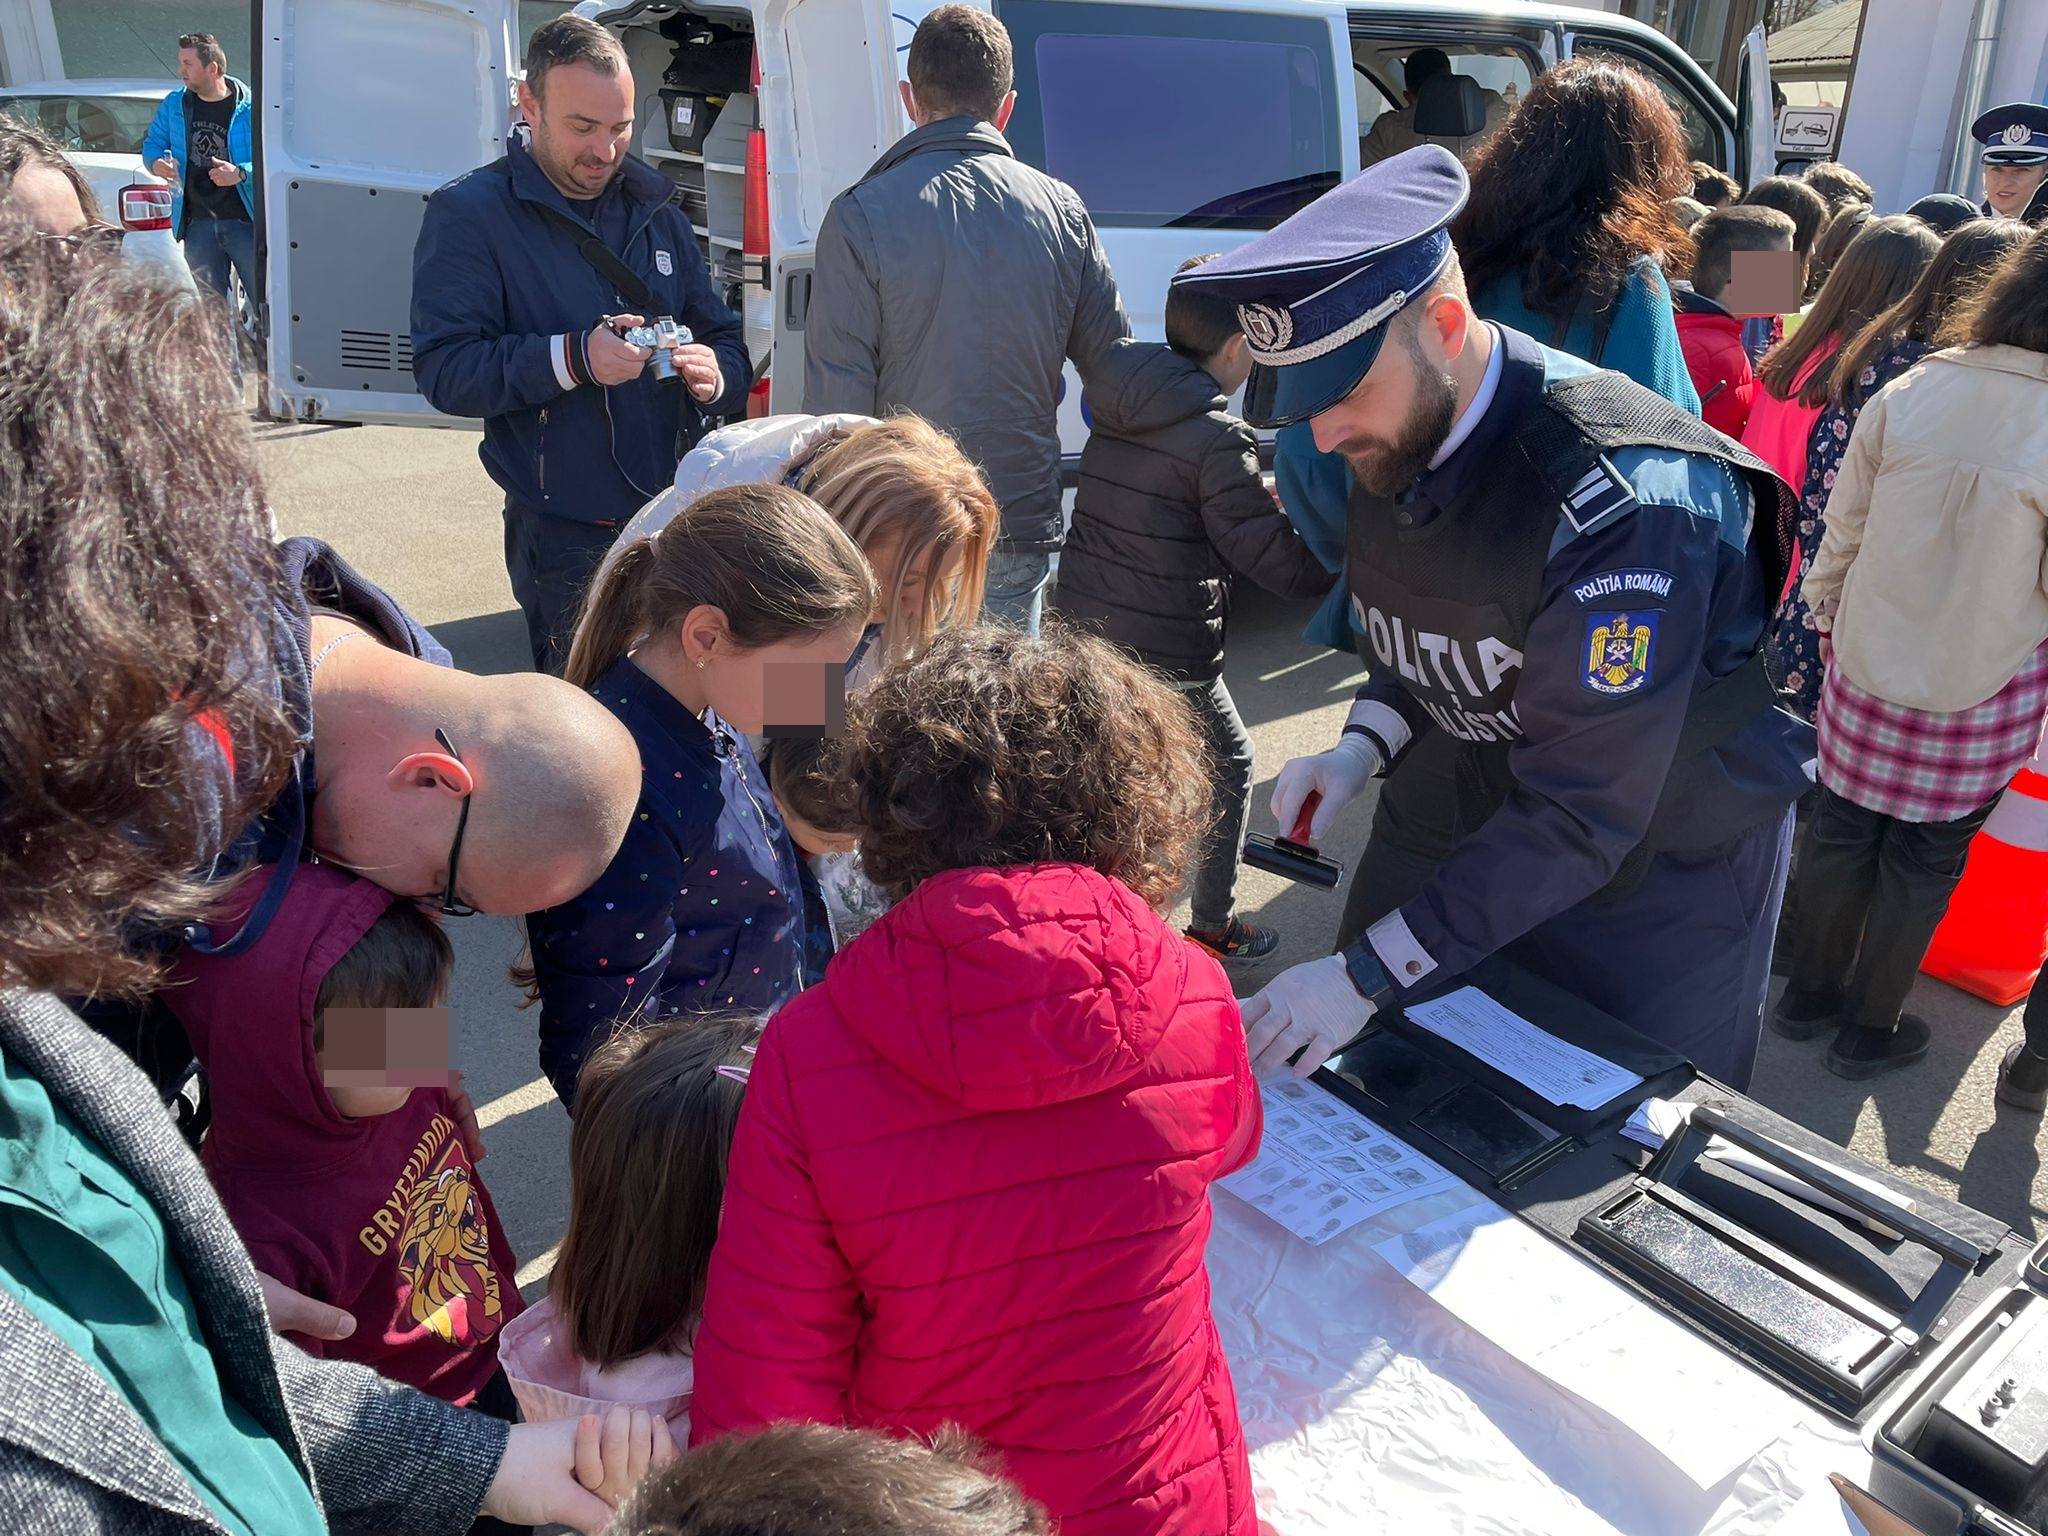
{"points": [[345, 157], [1755, 132], [1188, 126]]}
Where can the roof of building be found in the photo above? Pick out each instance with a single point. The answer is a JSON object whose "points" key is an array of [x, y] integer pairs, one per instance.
{"points": [[1826, 38]]}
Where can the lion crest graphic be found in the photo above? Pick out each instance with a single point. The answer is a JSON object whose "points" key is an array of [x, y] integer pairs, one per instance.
{"points": [[444, 1257]]}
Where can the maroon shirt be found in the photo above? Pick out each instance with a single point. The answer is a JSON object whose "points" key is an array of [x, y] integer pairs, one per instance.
{"points": [[384, 1217]]}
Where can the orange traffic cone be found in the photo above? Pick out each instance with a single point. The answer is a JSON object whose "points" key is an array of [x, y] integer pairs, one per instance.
{"points": [[1995, 935]]}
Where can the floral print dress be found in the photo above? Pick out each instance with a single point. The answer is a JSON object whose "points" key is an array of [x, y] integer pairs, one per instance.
{"points": [[1798, 640]]}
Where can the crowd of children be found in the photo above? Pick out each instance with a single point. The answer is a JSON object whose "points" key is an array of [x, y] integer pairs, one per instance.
{"points": [[959, 1179]]}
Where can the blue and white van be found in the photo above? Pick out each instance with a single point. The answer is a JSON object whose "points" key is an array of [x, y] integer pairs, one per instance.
{"points": [[1187, 126]]}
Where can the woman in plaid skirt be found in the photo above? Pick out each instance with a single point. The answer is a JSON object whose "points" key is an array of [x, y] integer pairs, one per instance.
{"points": [[1930, 596]]}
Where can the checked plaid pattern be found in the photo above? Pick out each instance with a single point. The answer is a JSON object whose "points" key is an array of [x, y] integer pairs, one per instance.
{"points": [[1919, 766]]}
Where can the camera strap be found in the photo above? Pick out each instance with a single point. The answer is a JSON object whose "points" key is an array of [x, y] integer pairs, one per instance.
{"points": [[603, 260]]}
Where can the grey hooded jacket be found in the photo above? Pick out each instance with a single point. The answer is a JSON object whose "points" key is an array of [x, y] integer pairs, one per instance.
{"points": [[75, 1458], [953, 280]]}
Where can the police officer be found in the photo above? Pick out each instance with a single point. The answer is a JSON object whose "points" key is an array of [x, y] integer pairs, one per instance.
{"points": [[2015, 140], [1570, 578]]}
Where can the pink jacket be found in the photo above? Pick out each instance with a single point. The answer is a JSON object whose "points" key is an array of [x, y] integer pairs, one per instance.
{"points": [[1780, 431], [971, 1185]]}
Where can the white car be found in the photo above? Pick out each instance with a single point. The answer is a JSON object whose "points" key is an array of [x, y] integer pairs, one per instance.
{"points": [[100, 124]]}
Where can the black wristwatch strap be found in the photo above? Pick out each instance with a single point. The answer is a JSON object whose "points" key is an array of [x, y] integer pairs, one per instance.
{"points": [[1368, 975]]}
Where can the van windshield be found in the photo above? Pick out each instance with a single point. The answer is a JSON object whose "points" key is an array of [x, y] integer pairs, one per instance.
{"points": [[1163, 117]]}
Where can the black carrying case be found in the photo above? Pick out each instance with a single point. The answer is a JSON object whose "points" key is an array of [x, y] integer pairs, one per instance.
{"points": [[1565, 1170], [1985, 1384]]}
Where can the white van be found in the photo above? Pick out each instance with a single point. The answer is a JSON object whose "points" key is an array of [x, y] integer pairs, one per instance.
{"points": [[1186, 125]]}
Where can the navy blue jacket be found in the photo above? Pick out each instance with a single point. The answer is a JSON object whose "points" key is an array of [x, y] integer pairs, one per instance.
{"points": [[315, 577], [701, 909], [1591, 765], [497, 283]]}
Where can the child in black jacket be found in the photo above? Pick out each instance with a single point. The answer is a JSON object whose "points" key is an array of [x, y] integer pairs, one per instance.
{"points": [[1170, 503]]}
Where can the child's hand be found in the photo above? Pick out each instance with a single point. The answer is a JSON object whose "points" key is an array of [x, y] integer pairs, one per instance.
{"points": [[612, 1455], [465, 1118]]}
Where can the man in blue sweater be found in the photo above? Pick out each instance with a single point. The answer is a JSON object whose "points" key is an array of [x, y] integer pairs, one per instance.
{"points": [[527, 275], [200, 141]]}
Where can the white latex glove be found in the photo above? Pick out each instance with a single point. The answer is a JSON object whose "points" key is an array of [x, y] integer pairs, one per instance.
{"points": [[1312, 1010], [1338, 775]]}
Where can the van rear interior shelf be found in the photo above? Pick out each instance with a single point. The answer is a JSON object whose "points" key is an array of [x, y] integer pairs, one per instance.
{"points": [[708, 163]]}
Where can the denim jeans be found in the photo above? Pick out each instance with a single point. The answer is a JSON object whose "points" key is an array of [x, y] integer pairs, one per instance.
{"points": [[211, 247], [1015, 594], [1213, 892]]}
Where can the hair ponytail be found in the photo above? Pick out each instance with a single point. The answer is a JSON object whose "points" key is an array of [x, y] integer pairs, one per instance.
{"points": [[605, 628], [767, 557]]}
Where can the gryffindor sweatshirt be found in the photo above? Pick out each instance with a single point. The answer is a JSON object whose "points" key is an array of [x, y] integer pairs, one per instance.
{"points": [[385, 1216]]}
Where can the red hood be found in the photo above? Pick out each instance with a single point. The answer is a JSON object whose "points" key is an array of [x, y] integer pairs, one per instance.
{"points": [[1709, 320], [1009, 988], [250, 1017]]}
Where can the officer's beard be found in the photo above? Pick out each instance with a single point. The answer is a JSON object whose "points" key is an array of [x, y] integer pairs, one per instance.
{"points": [[1388, 468]]}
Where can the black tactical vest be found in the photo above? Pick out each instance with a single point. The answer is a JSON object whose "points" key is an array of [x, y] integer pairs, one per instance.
{"points": [[1446, 607]]}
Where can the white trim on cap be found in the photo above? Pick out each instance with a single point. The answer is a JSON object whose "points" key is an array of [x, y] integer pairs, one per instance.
{"points": [[1348, 332]]}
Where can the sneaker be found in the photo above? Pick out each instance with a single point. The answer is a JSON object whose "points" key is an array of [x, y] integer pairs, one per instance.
{"points": [[2023, 1080], [1802, 1015], [1237, 940], [1860, 1053]]}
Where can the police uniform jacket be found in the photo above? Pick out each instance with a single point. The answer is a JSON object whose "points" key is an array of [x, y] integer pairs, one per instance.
{"points": [[1565, 636]]}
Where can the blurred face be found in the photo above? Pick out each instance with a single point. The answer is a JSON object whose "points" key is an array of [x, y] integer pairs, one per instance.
{"points": [[195, 75], [2008, 188], [582, 126], [886, 557], [1392, 424], [49, 199], [753, 689]]}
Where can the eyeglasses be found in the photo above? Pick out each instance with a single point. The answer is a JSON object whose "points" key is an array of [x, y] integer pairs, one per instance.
{"points": [[91, 240], [451, 904]]}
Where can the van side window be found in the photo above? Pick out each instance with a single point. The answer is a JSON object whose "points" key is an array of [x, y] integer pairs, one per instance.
{"points": [[1162, 117], [1703, 136], [1501, 68]]}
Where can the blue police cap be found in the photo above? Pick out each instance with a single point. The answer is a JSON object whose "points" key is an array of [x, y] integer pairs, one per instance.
{"points": [[1314, 294], [2014, 134]]}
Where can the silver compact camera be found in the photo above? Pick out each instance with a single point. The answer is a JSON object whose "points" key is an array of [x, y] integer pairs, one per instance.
{"points": [[662, 334]]}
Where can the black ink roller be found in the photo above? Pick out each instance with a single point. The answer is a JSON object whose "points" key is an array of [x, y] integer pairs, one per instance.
{"points": [[1293, 857]]}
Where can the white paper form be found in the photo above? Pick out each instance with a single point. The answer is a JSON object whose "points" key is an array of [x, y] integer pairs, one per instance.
{"points": [[1535, 1058], [1697, 1407], [1323, 1167]]}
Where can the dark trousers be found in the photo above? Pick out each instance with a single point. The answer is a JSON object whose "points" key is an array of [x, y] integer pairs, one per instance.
{"points": [[1872, 890], [1683, 955], [1213, 893], [550, 560], [2036, 1017]]}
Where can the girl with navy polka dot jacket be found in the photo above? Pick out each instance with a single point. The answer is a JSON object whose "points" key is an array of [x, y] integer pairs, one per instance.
{"points": [[696, 637]]}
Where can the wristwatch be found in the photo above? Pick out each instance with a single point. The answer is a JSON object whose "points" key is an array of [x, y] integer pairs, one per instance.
{"points": [[1369, 976]]}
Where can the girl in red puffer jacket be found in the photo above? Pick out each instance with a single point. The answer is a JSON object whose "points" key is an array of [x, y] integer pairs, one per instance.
{"points": [[971, 1179]]}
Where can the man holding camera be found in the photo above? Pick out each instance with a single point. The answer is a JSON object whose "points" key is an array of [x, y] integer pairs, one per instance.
{"points": [[540, 284]]}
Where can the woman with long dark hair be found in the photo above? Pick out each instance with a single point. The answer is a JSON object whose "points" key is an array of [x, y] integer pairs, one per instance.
{"points": [[1878, 269], [1882, 350], [1929, 588], [1569, 228]]}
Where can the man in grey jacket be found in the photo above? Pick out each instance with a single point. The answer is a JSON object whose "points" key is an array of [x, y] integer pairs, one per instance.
{"points": [[953, 280]]}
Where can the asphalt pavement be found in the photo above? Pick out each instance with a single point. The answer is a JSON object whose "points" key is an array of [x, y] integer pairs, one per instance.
{"points": [[414, 511]]}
